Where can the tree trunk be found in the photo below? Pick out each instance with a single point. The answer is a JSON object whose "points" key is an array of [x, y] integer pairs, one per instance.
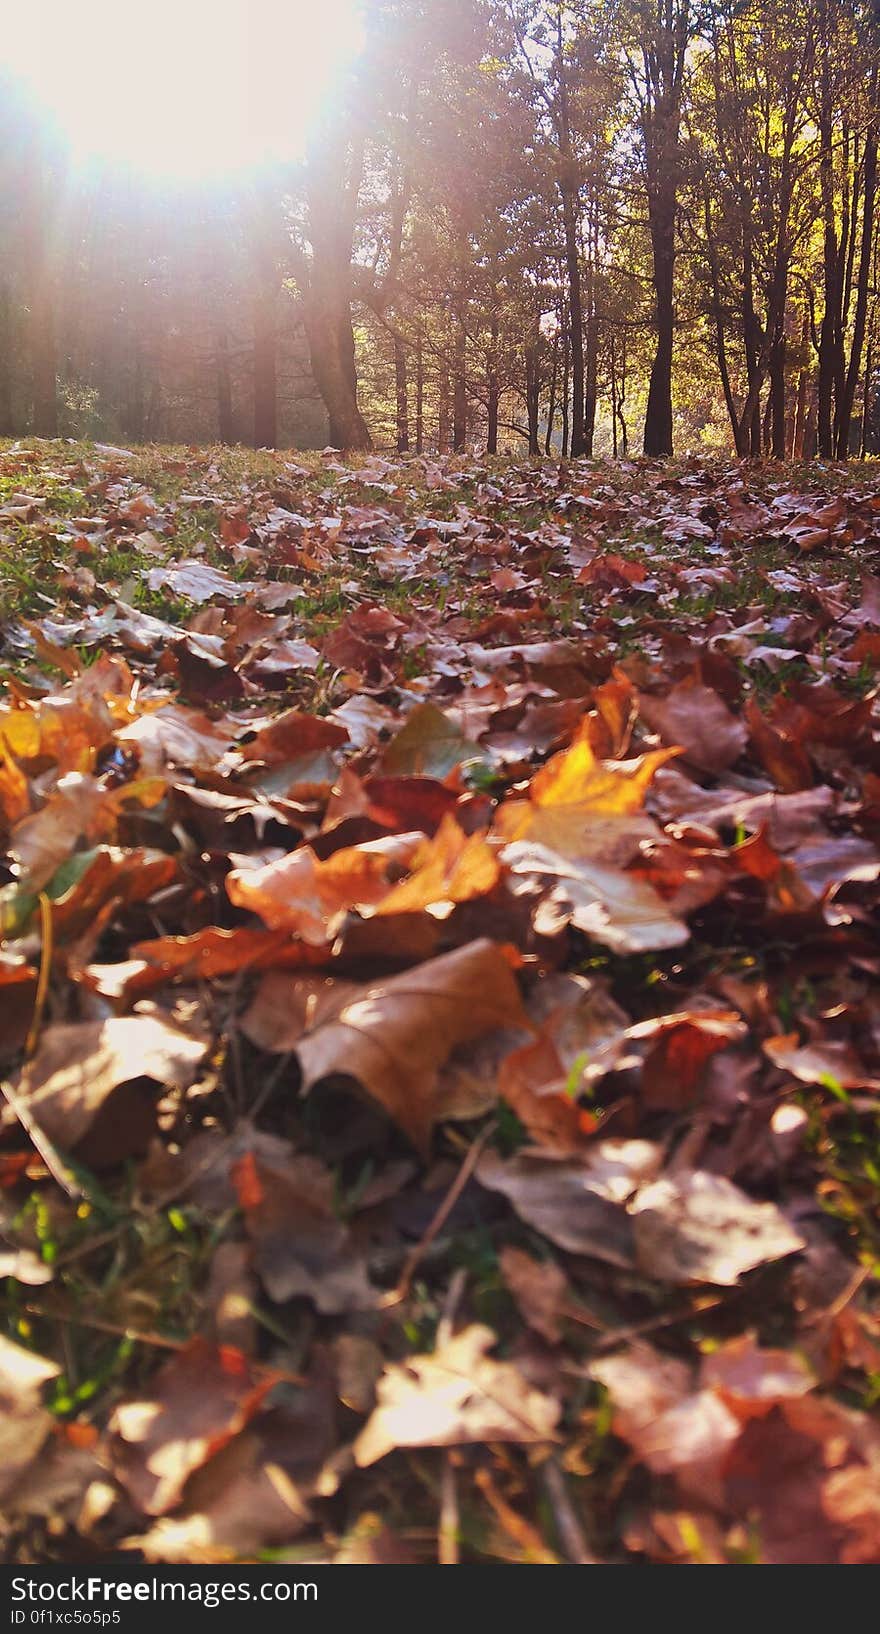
{"points": [[551, 405], [265, 369], [333, 185], [564, 399], [664, 51], [567, 182], [533, 389], [401, 398], [867, 399], [443, 416], [41, 297], [848, 396], [459, 392], [776, 404], [7, 428], [420, 394], [223, 382], [492, 386], [830, 338], [658, 414], [591, 357]]}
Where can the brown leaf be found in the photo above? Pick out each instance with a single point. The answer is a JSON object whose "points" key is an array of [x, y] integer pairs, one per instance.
{"points": [[695, 1227], [79, 1065], [540, 1289], [301, 894], [24, 1421], [392, 1036], [301, 1247], [752, 1379], [681, 1045], [825, 1061], [674, 1428], [176, 736], [579, 1203], [201, 1399], [695, 717], [450, 867], [429, 745], [453, 1396], [613, 907]]}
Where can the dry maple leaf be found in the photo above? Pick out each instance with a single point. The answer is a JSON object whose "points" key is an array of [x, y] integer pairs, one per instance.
{"points": [[694, 717], [825, 1061], [78, 1066], [696, 1227], [255, 1492], [609, 1203], [458, 1394], [80, 807], [428, 745], [201, 1399], [301, 1247], [392, 1036], [196, 580], [291, 735], [450, 867], [611, 906], [681, 1045], [301, 894], [540, 1289], [176, 736], [24, 1421], [577, 1202]]}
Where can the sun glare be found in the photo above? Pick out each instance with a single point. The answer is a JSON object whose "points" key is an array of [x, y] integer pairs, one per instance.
{"points": [[182, 89]]}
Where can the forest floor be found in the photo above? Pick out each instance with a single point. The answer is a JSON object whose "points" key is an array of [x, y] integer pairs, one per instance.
{"points": [[439, 1024]]}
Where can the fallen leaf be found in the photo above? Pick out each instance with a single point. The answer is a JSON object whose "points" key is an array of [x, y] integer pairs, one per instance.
{"points": [[453, 1396]]}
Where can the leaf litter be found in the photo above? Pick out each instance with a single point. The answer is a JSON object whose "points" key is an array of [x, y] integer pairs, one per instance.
{"points": [[438, 1018]]}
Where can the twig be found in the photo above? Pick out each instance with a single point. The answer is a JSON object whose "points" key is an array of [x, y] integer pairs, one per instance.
{"points": [[52, 1158], [616, 1336], [568, 1526], [43, 978], [448, 1526], [144, 1337], [415, 1257], [846, 1295]]}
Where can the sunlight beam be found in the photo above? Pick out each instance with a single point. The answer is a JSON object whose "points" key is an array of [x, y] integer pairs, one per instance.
{"points": [[182, 89]]}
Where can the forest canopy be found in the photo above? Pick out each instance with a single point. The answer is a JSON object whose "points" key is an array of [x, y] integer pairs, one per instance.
{"points": [[570, 226]]}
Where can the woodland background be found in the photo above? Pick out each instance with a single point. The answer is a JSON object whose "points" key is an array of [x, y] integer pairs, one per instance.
{"points": [[531, 225]]}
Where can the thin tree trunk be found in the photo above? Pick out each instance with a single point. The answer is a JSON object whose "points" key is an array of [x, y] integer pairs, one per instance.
{"points": [[848, 397], [866, 401], [567, 182], [41, 299], [613, 398], [776, 401], [443, 415], [658, 414], [402, 402], [265, 368], [564, 398], [829, 334], [800, 410], [533, 388], [420, 393], [459, 390], [7, 428], [223, 381], [551, 405]]}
